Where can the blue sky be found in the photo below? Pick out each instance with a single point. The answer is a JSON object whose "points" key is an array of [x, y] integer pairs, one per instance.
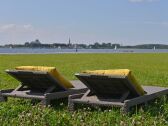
{"points": [[127, 22]]}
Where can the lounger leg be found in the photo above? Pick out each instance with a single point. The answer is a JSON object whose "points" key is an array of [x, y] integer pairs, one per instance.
{"points": [[3, 99], [45, 102], [71, 106], [146, 103], [125, 109], [34, 101]]}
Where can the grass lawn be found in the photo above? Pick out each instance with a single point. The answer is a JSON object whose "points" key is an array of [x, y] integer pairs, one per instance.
{"points": [[149, 69]]}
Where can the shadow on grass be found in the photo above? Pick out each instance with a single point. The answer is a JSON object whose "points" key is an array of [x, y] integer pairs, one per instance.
{"points": [[154, 108], [60, 104]]}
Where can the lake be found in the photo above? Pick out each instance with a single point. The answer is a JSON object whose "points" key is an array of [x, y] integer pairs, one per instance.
{"points": [[56, 51]]}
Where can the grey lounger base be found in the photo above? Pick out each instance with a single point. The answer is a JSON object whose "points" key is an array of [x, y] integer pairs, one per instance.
{"points": [[45, 98], [153, 92]]}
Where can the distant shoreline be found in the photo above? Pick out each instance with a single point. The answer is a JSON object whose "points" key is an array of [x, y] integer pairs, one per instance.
{"points": [[74, 51]]}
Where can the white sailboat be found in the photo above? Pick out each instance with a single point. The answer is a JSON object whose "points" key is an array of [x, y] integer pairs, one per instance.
{"points": [[154, 48], [115, 48], [59, 47]]}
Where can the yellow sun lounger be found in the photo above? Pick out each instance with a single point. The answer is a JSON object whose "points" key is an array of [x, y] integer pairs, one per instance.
{"points": [[43, 83], [117, 88]]}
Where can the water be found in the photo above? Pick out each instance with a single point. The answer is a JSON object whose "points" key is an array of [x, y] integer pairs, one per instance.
{"points": [[56, 51]]}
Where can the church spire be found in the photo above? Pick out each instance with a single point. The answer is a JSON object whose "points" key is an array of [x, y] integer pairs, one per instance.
{"points": [[69, 42]]}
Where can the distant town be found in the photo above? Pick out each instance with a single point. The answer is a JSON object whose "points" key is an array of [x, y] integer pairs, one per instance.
{"points": [[69, 45]]}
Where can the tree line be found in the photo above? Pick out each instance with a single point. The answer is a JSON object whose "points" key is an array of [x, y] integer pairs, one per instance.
{"points": [[96, 45]]}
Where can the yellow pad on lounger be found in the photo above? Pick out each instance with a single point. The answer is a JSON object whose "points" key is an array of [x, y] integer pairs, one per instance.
{"points": [[51, 70], [119, 72]]}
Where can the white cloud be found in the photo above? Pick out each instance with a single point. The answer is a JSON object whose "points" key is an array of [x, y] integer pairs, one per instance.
{"points": [[28, 27], [6, 28], [15, 33], [140, 1], [163, 23], [20, 33]]}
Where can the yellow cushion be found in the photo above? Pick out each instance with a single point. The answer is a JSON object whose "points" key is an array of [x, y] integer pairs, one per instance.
{"points": [[51, 70], [119, 72]]}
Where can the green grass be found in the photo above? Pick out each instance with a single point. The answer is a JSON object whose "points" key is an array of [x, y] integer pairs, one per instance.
{"points": [[149, 69]]}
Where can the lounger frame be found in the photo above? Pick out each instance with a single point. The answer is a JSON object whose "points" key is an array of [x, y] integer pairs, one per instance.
{"points": [[45, 97], [152, 93], [124, 102]]}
